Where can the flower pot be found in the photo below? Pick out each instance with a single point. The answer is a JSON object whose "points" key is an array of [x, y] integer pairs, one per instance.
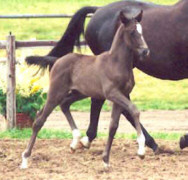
{"points": [[23, 120]]}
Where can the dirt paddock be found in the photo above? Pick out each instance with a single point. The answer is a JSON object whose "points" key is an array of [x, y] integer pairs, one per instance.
{"points": [[52, 160]]}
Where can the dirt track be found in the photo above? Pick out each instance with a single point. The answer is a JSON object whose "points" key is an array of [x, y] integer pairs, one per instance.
{"points": [[154, 121], [52, 160]]}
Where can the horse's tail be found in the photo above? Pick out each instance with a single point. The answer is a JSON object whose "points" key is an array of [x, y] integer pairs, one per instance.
{"points": [[66, 44], [42, 61]]}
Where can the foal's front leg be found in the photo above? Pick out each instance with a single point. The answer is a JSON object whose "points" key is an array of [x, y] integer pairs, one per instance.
{"points": [[117, 97], [116, 111], [150, 142]]}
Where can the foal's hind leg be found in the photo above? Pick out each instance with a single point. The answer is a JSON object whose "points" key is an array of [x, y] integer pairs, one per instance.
{"points": [[55, 96], [65, 107], [41, 118]]}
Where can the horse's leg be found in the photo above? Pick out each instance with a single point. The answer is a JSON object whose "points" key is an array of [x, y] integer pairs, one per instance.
{"points": [[150, 142], [184, 141], [65, 107], [96, 105], [41, 118], [57, 92], [116, 111], [117, 97]]}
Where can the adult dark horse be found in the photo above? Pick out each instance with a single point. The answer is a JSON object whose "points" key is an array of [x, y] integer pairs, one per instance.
{"points": [[163, 26]]}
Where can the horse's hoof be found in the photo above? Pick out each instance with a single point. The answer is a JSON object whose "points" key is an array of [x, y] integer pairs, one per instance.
{"points": [[141, 156], [24, 164], [141, 153], [182, 142], [72, 150], [163, 150], [85, 142], [106, 166]]}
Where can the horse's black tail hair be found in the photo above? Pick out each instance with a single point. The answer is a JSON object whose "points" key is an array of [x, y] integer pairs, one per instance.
{"points": [[42, 61], [66, 44]]}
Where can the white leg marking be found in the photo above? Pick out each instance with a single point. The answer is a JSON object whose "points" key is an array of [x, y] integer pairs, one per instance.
{"points": [[76, 138], [24, 164], [85, 142], [141, 144], [106, 165]]}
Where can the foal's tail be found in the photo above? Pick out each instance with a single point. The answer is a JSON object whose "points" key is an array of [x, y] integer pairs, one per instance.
{"points": [[66, 44]]}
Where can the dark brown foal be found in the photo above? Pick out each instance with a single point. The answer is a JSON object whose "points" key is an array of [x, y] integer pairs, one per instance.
{"points": [[106, 76]]}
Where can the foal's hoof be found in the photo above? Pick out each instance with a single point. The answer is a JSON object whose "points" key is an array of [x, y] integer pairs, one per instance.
{"points": [[141, 152], [24, 164], [72, 150], [141, 156], [106, 166]]}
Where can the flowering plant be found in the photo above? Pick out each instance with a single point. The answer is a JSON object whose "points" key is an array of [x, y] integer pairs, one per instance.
{"points": [[30, 96]]}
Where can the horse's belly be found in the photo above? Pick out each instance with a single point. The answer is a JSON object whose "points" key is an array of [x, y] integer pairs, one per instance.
{"points": [[89, 89]]}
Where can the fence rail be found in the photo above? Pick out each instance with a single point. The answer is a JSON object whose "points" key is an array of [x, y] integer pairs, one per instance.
{"points": [[11, 45], [34, 16]]}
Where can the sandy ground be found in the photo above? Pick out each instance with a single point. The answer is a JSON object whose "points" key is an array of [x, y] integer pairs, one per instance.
{"points": [[52, 160], [153, 121]]}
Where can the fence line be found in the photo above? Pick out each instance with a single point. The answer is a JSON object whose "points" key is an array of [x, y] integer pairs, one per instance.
{"points": [[31, 16], [11, 45]]}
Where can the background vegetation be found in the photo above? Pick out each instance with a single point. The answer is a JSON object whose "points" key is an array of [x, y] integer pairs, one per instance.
{"points": [[149, 92]]}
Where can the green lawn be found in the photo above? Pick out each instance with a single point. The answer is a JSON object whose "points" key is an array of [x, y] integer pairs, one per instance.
{"points": [[60, 134], [44, 28]]}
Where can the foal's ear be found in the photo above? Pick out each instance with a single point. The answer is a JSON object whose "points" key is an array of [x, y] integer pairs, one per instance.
{"points": [[139, 16], [123, 18]]}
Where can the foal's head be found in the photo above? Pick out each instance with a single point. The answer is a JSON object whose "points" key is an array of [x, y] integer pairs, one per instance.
{"points": [[132, 34]]}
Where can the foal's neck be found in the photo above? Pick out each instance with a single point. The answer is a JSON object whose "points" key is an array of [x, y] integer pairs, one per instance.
{"points": [[120, 50]]}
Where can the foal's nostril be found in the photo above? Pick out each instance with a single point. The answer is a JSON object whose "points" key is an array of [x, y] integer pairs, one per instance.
{"points": [[145, 52]]}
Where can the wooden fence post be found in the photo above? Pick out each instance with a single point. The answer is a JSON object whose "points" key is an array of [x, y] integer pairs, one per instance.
{"points": [[11, 82]]}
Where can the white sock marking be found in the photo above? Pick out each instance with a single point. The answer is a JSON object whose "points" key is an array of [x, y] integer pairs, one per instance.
{"points": [[24, 164], [85, 142], [76, 138], [141, 144]]}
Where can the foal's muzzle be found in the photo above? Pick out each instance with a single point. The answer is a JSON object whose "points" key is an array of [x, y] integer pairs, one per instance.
{"points": [[144, 52]]}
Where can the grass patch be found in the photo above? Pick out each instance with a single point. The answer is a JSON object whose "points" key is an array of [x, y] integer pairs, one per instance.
{"points": [[60, 134]]}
